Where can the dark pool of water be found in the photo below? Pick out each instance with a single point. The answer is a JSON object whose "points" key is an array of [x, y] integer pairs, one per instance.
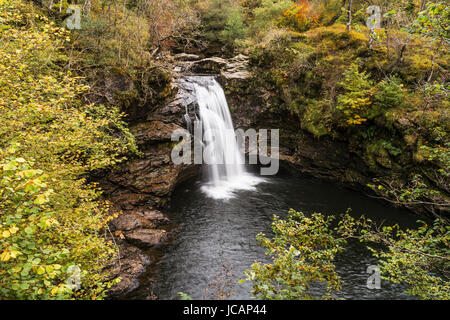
{"points": [[214, 233]]}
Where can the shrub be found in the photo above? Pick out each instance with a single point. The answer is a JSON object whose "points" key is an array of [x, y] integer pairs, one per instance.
{"points": [[300, 16], [234, 29], [303, 250], [50, 218], [223, 22], [267, 14], [356, 100], [390, 94]]}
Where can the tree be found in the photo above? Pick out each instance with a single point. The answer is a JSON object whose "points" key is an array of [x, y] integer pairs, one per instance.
{"points": [[354, 103], [303, 249], [51, 218], [418, 258], [433, 22], [234, 29], [349, 15]]}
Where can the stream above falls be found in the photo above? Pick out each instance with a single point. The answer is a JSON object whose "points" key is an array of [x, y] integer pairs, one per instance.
{"points": [[215, 232]]}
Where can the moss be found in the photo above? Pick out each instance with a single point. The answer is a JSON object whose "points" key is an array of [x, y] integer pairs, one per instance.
{"points": [[394, 151], [419, 156], [418, 66], [125, 99], [410, 139], [314, 118], [338, 37], [376, 155]]}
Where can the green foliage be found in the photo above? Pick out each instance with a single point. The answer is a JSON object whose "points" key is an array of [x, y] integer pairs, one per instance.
{"points": [[390, 94], [315, 118], [234, 29], [50, 218], [390, 148], [268, 13], [356, 100], [184, 296], [419, 191], [440, 155], [418, 258], [119, 41], [303, 249], [42, 233], [300, 16], [434, 22], [223, 22]]}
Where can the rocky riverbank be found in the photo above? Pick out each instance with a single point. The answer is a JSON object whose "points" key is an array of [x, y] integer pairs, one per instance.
{"points": [[141, 187]]}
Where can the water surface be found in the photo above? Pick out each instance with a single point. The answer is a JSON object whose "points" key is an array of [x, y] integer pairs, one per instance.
{"points": [[214, 233]]}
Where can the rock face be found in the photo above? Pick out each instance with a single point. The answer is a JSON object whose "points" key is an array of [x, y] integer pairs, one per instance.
{"points": [[228, 69], [323, 158], [130, 263], [142, 186], [146, 237]]}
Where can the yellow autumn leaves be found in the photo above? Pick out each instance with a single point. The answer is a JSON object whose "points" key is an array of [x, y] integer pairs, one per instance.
{"points": [[9, 232], [50, 217], [8, 254]]}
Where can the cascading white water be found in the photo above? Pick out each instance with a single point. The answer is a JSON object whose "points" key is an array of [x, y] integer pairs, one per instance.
{"points": [[224, 160]]}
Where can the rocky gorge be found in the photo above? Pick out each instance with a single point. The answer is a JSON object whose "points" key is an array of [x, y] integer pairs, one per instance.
{"points": [[141, 188]]}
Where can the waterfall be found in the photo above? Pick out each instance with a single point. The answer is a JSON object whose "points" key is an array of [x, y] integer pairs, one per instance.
{"points": [[223, 158]]}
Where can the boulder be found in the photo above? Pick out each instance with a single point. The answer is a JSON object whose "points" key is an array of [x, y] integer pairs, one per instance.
{"points": [[131, 221], [146, 237], [130, 264]]}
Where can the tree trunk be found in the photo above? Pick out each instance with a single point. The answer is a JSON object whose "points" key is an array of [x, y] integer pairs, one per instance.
{"points": [[349, 17], [387, 42]]}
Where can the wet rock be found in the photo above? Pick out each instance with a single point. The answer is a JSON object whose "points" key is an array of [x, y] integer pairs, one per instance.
{"points": [[131, 221], [149, 179], [186, 57], [130, 264], [125, 222], [236, 69], [155, 216], [153, 131], [227, 69], [146, 237]]}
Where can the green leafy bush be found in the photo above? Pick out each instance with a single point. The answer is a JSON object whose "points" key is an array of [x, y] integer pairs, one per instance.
{"points": [[222, 21], [356, 100], [234, 29], [50, 218], [303, 249], [268, 13], [390, 94]]}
